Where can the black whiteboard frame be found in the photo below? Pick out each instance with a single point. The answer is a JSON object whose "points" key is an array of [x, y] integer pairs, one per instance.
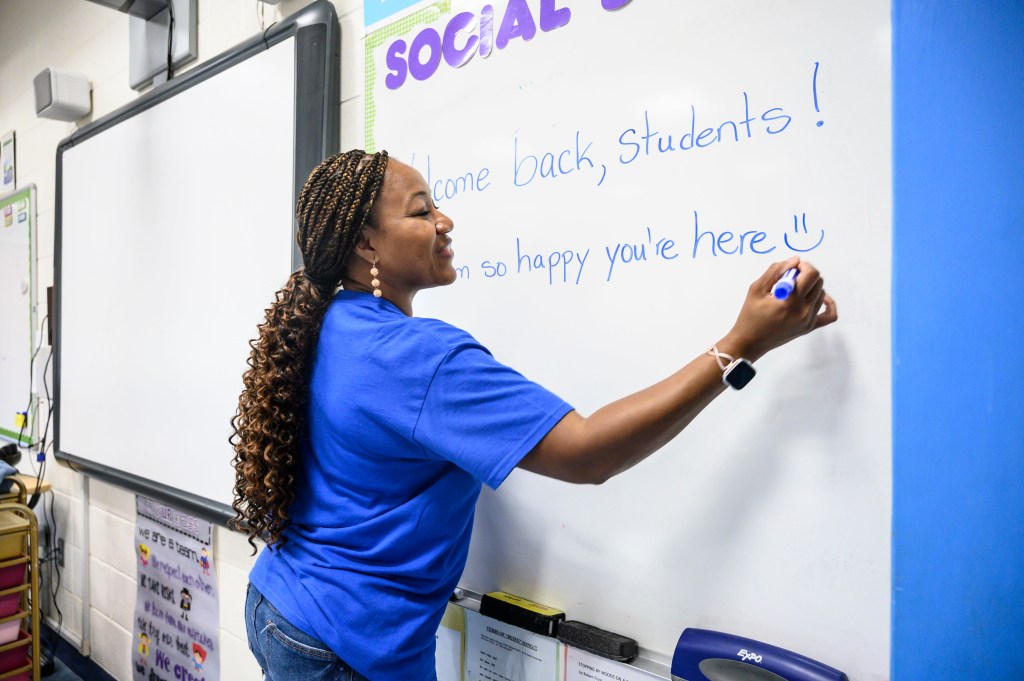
{"points": [[316, 136]]}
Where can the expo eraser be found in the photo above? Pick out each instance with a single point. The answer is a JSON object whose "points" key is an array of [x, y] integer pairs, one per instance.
{"points": [[597, 641], [511, 609]]}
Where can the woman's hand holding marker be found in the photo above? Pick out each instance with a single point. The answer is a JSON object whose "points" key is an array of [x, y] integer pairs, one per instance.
{"points": [[768, 320]]}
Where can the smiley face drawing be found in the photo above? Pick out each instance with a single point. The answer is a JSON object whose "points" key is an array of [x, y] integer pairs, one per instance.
{"points": [[799, 229]]}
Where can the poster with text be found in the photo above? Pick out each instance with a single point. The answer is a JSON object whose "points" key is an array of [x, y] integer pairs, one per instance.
{"points": [[8, 180], [583, 666], [177, 611], [496, 651]]}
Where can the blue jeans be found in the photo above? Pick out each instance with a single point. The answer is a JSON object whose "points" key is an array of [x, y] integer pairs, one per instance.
{"points": [[285, 652]]}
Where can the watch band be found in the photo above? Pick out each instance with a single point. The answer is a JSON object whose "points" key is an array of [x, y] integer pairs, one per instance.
{"points": [[714, 352]]}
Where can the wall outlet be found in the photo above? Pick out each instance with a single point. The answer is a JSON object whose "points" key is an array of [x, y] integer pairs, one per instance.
{"points": [[60, 552]]}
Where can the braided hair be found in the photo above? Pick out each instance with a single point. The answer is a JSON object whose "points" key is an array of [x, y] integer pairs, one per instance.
{"points": [[332, 209]]}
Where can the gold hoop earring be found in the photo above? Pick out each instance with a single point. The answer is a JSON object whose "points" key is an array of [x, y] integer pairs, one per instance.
{"points": [[375, 283]]}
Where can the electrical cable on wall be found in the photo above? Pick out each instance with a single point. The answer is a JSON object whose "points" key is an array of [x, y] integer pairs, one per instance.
{"points": [[54, 559], [54, 555], [43, 446], [32, 404]]}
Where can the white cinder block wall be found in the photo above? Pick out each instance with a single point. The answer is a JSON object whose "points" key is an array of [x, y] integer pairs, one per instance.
{"points": [[86, 37]]}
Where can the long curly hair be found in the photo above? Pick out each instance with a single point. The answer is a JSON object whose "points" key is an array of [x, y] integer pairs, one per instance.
{"points": [[333, 207]]}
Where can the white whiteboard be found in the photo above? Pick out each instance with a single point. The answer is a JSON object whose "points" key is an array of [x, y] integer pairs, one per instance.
{"points": [[770, 516], [18, 317], [176, 229]]}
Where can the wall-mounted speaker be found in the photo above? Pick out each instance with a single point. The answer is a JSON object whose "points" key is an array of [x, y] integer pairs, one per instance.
{"points": [[62, 95]]}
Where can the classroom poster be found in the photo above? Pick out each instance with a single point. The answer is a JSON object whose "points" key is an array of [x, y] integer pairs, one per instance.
{"points": [[583, 666], [496, 651], [177, 611], [7, 171]]}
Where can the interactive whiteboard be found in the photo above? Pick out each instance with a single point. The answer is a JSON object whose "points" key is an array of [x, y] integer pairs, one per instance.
{"points": [[174, 228], [618, 173]]}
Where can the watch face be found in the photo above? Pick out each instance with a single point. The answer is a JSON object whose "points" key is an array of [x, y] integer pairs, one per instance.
{"points": [[739, 373]]}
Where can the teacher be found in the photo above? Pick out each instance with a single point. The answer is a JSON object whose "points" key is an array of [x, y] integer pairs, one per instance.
{"points": [[363, 433]]}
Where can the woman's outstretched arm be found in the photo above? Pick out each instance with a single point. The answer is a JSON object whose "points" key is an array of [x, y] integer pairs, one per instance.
{"points": [[616, 437]]}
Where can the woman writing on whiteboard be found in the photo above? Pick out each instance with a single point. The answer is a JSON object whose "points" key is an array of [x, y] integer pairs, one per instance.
{"points": [[363, 433]]}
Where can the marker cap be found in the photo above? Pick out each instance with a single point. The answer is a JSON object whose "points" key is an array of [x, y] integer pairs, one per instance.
{"points": [[785, 285]]}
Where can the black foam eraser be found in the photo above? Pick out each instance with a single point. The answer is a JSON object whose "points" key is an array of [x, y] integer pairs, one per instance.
{"points": [[598, 641]]}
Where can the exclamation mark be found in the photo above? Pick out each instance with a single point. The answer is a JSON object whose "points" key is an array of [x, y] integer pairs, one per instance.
{"points": [[814, 84]]}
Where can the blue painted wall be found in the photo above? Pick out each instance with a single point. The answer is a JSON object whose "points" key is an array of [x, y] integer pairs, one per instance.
{"points": [[958, 325]]}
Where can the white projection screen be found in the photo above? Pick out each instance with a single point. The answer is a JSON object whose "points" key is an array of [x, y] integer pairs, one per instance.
{"points": [[174, 228]]}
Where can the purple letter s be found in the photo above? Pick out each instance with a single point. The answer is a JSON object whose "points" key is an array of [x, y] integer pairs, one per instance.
{"points": [[396, 65]]}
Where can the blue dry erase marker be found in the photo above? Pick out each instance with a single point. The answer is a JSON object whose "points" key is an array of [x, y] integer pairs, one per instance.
{"points": [[784, 286]]}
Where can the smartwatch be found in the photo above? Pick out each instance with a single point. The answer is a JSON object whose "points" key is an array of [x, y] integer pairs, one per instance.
{"points": [[737, 373]]}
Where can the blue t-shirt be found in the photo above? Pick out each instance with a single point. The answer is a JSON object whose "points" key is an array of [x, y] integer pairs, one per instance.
{"points": [[407, 416]]}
